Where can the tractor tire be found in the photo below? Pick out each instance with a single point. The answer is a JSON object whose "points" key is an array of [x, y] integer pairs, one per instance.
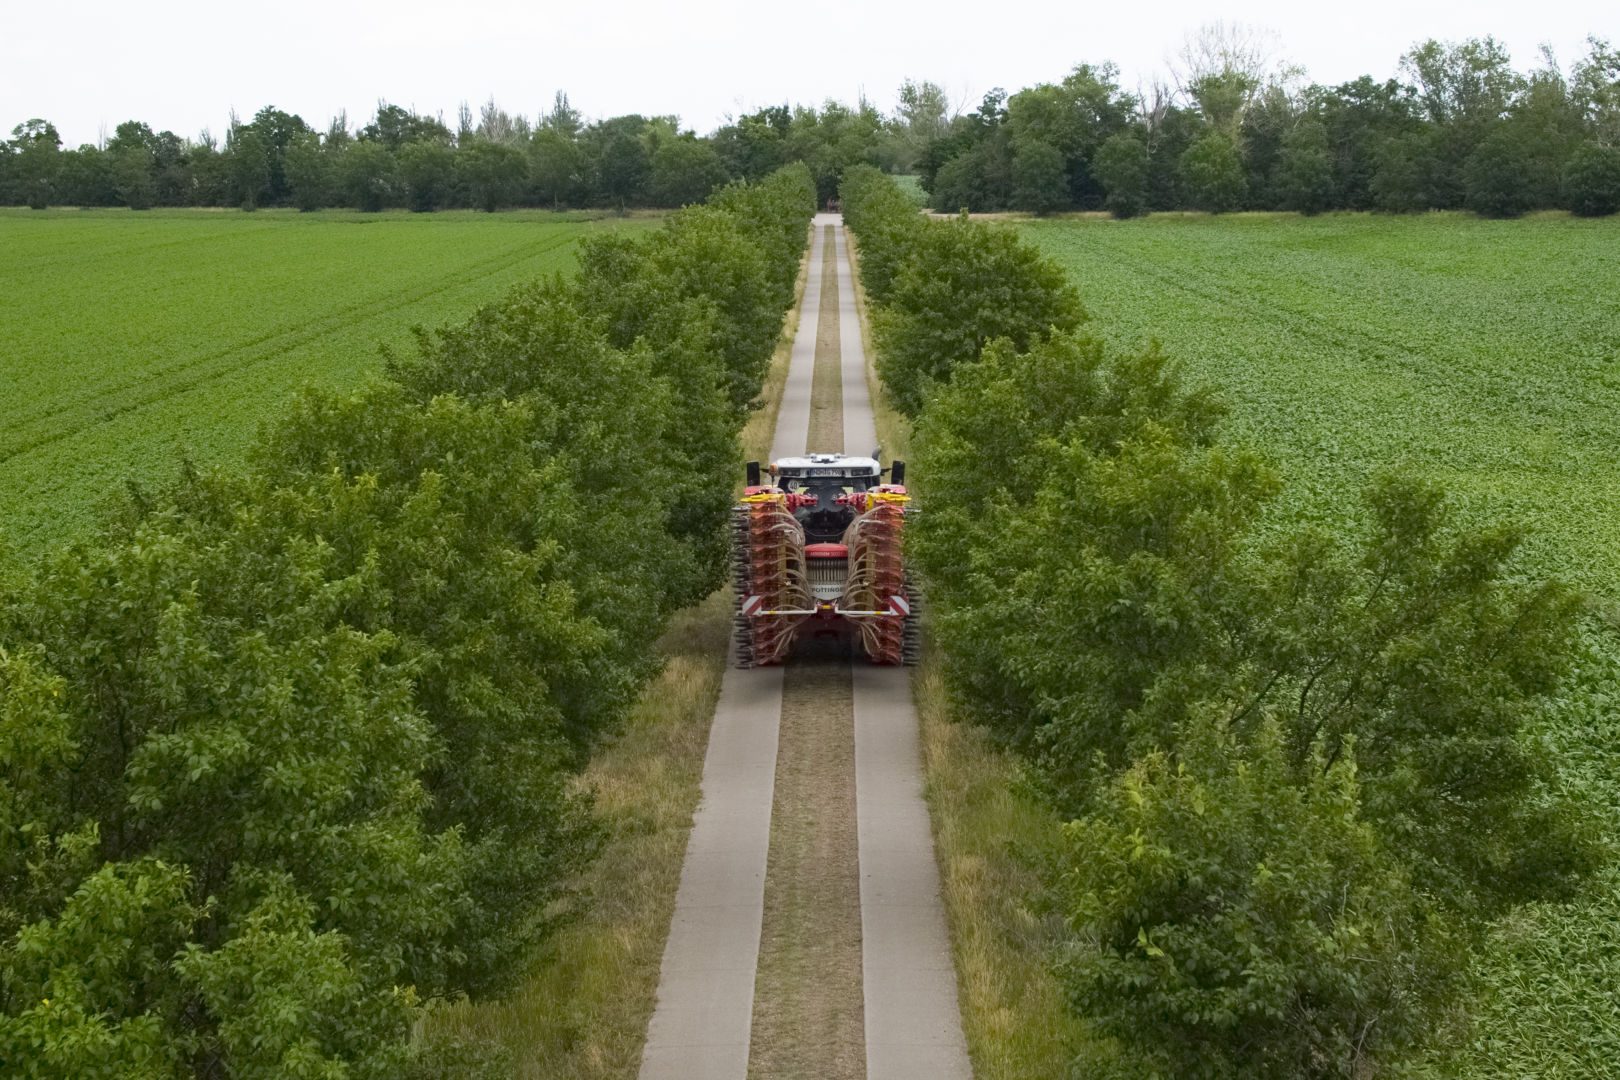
{"points": [[911, 638]]}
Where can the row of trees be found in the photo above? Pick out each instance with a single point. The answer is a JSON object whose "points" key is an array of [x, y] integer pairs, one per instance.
{"points": [[403, 159], [288, 750], [1298, 766], [1461, 127]]}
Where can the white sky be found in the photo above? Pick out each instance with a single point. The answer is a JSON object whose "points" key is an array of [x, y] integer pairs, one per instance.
{"points": [[184, 65]]}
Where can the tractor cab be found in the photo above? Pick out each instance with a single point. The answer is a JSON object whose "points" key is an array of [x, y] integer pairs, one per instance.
{"points": [[817, 545]]}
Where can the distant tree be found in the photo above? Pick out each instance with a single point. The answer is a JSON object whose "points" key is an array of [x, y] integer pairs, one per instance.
{"points": [[172, 169], [394, 127], [369, 176], [1212, 174], [428, 168], [621, 160], [84, 177], [684, 170], [1397, 183], [1592, 180], [277, 130], [133, 165], [1039, 178], [37, 148], [210, 173], [557, 167], [923, 115], [1121, 166], [248, 166], [1304, 180], [1498, 174], [494, 173], [1595, 90], [964, 285], [308, 169], [755, 144], [1360, 117]]}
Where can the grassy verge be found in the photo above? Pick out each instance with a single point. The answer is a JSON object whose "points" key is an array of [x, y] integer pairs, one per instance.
{"points": [[582, 1014], [990, 836], [584, 1011]]}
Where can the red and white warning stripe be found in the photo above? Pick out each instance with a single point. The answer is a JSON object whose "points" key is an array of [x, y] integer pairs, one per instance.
{"points": [[752, 605], [899, 605]]}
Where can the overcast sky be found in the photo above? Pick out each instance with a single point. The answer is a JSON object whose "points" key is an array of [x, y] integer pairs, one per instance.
{"points": [[184, 65]]}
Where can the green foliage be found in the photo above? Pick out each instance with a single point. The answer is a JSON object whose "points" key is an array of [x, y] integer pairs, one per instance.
{"points": [[1122, 167], [1194, 680], [887, 224], [1212, 174], [368, 175], [1497, 175], [125, 395], [962, 284], [291, 750], [1040, 182], [684, 171], [1305, 172], [1232, 923], [494, 174], [428, 168], [1592, 180]]}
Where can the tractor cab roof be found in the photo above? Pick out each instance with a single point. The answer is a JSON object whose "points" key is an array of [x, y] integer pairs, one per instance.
{"points": [[829, 465]]}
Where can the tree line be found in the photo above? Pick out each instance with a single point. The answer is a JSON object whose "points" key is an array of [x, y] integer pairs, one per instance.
{"points": [[401, 159], [289, 749], [1460, 128], [1297, 768]]}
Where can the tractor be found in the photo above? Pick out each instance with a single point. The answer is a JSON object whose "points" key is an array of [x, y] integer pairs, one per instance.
{"points": [[817, 550]]}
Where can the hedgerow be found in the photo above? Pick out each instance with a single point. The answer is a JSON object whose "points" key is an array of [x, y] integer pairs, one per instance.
{"points": [[288, 749], [1301, 769]]}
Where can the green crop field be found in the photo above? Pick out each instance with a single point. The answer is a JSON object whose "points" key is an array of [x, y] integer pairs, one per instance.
{"points": [[1485, 354], [131, 340]]}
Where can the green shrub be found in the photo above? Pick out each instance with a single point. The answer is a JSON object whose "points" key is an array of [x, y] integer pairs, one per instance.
{"points": [[1230, 922], [1122, 166], [964, 285], [1592, 180], [1212, 176]]}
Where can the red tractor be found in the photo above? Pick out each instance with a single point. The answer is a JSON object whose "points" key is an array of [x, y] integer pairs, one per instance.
{"points": [[817, 550]]}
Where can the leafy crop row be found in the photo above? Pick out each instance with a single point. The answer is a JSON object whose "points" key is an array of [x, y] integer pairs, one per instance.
{"points": [[288, 748], [132, 342], [1297, 762]]}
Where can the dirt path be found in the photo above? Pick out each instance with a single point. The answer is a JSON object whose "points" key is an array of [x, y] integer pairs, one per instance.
{"points": [[826, 433], [807, 995], [809, 939]]}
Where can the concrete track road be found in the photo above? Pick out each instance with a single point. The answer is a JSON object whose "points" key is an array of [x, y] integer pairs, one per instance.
{"points": [[702, 1023]]}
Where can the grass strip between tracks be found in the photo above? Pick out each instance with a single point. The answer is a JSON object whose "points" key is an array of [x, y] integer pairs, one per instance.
{"points": [[583, 1013], [990, 835]]}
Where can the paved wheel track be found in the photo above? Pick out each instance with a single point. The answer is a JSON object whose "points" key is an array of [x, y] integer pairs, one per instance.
{"points": [[702, 1021]]}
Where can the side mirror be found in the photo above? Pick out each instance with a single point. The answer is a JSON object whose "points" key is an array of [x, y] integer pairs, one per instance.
{"points": [[897, 472], [877, 454]]}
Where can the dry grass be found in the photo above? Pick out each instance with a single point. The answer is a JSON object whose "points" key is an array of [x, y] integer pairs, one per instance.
{"points": [[583, 1013], [761, 426], [989, 837], [826, 434], [808, 1000]]}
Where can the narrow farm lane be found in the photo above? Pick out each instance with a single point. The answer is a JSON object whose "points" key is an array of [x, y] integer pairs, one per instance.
{"points": [[853, 976], [704, 1013]]}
